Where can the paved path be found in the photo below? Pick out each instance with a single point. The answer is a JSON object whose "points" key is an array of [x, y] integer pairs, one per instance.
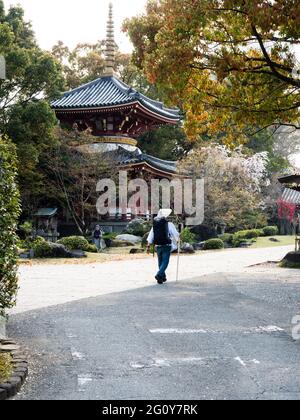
{"points": [[106, 331], [48, 285], [216, 337]]}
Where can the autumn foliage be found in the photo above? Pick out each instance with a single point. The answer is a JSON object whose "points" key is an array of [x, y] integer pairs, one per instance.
{"points": [[230, 64]]}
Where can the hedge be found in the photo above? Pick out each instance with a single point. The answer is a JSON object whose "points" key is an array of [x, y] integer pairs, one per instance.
{"points": [[246, 236], [213, 244], [9, 214], [75, 242], [271, 231], [226, 237]]}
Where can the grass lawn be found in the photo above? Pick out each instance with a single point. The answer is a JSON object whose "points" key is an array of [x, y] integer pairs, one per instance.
{"points": [[111, 254], [265, 242]]}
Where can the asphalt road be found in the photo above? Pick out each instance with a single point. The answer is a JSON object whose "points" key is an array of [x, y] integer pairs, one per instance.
{"points": [[216, 337]]}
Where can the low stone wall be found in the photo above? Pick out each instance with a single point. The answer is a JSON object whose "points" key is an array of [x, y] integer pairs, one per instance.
{"points": [[2, 327]]}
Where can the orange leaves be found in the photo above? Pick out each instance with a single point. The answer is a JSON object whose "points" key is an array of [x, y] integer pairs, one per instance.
{"points": [[205, 56]]}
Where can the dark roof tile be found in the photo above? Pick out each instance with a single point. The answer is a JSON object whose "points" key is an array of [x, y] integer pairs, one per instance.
{"points": [[109, 91]]}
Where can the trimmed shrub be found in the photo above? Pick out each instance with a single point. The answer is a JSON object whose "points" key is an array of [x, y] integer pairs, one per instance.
{"points": [[51, 250], [92, 249], [75, 242], [187, 236], [30, 243], [227, 238], [43, 250], [245, 236], [213, 244], [9, 214], [250, 234], [271, 231]]}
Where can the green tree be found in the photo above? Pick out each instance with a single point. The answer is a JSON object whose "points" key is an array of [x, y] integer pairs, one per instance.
{"points": [[169, 143], [73, 172], [229, 63], [9, 213], [86, 62], [33, 78]]}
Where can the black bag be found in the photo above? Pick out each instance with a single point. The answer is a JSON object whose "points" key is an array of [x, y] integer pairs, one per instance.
{"points": [[161, 232]]}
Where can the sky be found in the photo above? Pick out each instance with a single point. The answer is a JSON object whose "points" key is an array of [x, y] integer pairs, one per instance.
{"points": [[75, 22]]}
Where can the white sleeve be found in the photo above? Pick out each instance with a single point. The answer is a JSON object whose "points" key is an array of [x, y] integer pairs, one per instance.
{"points": [[173, 232], [150, 238]]}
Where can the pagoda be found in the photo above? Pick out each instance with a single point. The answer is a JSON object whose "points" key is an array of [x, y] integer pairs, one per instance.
{"points": [[117, 115]]}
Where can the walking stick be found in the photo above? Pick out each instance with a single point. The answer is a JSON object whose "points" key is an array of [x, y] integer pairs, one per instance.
{"points": [[178, 258], [178, 252]]}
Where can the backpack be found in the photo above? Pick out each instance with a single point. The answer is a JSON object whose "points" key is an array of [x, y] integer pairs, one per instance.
{"points": [[161, 232]]}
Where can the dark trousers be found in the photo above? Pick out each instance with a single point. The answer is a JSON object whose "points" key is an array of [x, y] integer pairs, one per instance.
{"points": [[164, 254]]}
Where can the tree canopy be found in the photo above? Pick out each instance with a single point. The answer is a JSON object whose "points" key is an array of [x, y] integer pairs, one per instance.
{"points": [[9, 210], [33, 77], [230, 64]]}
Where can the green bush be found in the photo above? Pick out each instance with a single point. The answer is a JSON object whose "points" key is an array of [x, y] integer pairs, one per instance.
{"points": [[187, 236], [9, 214], [92, 249], [213, 244], [271, 231], [227, 238], [245, 236], [26, 228], [43, 250], [30, 243], [110, 236], [75, 242]]}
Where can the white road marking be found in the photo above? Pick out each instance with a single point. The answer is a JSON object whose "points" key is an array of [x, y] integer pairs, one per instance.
{"points": [[77, 355], [83, 380], [269, 328], [178, 331], [137, 366], [238, 359], [71, 336], [256, 362], [261, 329]]}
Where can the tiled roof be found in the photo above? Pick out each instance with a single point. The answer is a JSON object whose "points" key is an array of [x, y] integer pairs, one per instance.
{"points": [[110, 91], [291, 196], [125, 157], [162, 165]]}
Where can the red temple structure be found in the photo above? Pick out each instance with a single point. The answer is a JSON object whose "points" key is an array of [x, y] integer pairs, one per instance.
{"points": [[117, 115]]}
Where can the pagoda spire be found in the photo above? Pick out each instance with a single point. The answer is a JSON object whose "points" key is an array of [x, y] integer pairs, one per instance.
{"points": [[110, 53]]}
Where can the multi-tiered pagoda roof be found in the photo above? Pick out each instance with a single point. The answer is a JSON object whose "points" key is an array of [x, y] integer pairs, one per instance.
{"points": [[116, 114]]}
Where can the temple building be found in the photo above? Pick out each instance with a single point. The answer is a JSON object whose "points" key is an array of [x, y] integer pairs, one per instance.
{"points": [[117, 115]]}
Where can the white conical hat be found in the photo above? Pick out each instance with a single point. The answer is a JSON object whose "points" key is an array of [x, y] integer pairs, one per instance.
{"points": [[164, 213]]}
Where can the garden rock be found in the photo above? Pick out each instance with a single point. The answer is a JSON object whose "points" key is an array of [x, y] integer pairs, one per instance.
{"points": [[132, 239], [137, 227], [78, 254], [198, 246], [187, 249], [136, 251], [292, 257], [245, 244]]}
